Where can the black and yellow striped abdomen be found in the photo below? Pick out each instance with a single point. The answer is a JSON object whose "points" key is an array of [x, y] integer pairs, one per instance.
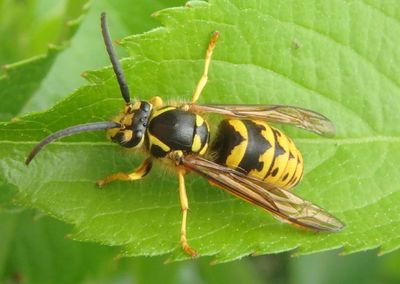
{"points": [[257, 149]]}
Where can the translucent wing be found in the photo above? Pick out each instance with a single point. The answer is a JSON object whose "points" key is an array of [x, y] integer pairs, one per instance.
{"points": [[299, 117], [281, 203]]}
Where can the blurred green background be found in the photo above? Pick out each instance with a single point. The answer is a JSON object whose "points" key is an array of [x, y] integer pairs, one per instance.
{"points": [[33, 247]]}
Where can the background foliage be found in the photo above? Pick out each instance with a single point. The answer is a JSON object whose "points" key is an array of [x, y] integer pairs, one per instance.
{"points": [[302, 58]]}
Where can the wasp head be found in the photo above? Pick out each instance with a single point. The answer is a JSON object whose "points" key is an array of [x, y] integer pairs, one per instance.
{"points": [[133, 120]]}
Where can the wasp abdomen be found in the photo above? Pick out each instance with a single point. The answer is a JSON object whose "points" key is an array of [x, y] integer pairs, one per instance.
{"points": [[257, 149], [173, 129]]}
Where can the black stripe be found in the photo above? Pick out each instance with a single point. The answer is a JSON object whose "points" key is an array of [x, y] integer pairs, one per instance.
{"points": [[299, 176], [257, 145], [278, 151], [293, 177], [226, 139]]}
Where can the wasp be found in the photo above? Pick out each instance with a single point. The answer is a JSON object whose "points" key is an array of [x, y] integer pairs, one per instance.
{"points": [[245, 157]]}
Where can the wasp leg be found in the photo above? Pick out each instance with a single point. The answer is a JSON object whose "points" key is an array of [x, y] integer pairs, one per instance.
{"points": [[139, 173], [203, 80], [185, 207]]}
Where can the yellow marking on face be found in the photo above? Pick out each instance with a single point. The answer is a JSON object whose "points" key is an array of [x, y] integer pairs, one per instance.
{"points": [[128, 134], [127, 119], [112, 132], [238, 152]]}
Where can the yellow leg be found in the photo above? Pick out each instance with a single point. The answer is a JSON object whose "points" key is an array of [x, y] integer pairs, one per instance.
{"points": [[204, 77], [139, 173], [185, 207]]}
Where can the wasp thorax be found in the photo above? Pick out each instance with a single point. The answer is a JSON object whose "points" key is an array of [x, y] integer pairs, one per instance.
{"points": [[134, 120]]}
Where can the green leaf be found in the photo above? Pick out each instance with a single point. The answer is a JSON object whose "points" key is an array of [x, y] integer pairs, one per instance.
{"points": [[33, 25], [356, 268], [43, 28], [64, 76], [36, 251], [335, 57]]}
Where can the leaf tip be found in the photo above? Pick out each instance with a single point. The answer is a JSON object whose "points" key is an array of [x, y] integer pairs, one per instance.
{"points": [[195, 3]]}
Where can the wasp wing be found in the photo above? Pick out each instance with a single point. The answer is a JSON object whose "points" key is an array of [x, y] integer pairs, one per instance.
{"points": [[302, 118], [282, 203]]}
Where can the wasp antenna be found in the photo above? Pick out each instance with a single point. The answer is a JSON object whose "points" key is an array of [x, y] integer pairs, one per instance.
{"points": [[114, 60], [68, 132]]}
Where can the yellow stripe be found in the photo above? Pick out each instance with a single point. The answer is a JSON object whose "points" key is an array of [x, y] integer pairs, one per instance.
{"points": [[267, 157], [291, 166], [298, 171], [155, 141], [238, 152], [203, 151], [196, 143], [162, 110], [280, 161], [300, 168], [199, 120]]}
